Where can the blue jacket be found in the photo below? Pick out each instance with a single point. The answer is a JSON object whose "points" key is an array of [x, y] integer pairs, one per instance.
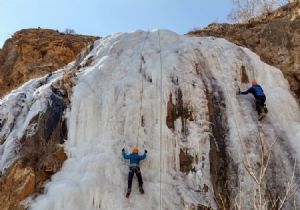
{"points": [[135, 158], [256, 90]]}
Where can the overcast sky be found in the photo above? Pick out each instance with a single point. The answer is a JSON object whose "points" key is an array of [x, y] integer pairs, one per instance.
{"points": [[99, 17]]}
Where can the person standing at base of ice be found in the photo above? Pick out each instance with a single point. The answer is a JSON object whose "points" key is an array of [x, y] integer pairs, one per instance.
{"points": [[134, 168], [260, 98]]}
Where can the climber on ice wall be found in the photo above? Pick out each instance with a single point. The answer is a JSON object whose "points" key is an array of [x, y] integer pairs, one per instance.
{"points": [[260, 98], [134, 168]]}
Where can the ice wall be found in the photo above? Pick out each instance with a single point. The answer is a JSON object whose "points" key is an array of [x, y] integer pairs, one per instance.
{"points": [[125, 98]]}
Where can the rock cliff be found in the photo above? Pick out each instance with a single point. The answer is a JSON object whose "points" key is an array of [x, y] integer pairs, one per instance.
{"points": [[37, 153], [32, 53], [275, 37]]}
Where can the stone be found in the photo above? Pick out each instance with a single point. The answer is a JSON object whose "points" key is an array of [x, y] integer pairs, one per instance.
{"points": [[32, 53], [18, 183]]}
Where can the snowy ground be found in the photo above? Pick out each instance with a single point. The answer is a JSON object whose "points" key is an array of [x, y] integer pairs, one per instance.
{"points": [[120, 86]]}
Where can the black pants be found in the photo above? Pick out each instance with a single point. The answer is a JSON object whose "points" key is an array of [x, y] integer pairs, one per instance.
{"points": [[260, 102], [137, 171]]}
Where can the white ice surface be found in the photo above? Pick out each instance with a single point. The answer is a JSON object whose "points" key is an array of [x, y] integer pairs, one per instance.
{"points": [[105, 115]]}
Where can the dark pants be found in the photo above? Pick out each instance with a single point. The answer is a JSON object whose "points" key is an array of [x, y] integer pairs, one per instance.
{"points": [[137, 171], [260, 102]]}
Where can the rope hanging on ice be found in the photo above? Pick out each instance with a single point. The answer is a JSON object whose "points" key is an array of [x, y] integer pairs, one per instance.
{"points": [[160, 119]]}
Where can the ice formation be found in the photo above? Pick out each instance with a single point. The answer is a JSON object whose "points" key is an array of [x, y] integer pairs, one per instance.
{"points": [[127, 96]]}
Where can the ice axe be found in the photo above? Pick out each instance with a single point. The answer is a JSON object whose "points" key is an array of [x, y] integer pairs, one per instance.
{"points": [[124, 144], [238, 92], [144, 146]]}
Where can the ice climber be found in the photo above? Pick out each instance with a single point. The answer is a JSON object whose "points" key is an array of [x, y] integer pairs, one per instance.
{"points": [[134, 168], [260, 98]]}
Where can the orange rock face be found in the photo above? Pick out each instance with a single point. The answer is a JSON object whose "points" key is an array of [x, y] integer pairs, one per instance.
{"points": [[22, 180], [32, 53], [20, 183]]}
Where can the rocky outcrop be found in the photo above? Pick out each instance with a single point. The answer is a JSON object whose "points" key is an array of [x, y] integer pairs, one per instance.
{"points": [[40, 152], [23, 179], [16, 186], [275, 37], [32, 53], [41, 155]]}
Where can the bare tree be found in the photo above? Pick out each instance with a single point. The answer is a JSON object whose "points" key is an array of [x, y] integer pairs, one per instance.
{"points": [[69, 31], [260, 202], [283, 2], [244, 10]]}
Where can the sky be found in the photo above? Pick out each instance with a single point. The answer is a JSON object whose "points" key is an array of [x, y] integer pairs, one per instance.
{"points": [[101, 18]]}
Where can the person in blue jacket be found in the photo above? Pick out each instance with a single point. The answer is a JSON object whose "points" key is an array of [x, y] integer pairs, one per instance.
{"points": [[134, 168], [260, 97]]}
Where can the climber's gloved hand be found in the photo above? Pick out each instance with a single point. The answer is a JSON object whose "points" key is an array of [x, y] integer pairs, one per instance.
{"points": [[123, 150], [146, 151]]}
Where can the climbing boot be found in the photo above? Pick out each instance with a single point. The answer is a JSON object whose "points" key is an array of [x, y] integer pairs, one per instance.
{"points": [[128, 193], [265, 108], [141, 190], [261, 116]]}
